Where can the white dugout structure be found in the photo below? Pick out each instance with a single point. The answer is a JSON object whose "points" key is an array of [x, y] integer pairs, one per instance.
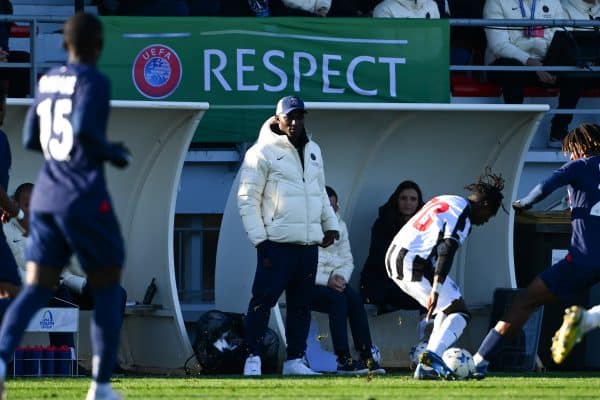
{"points": [[368, 149]]}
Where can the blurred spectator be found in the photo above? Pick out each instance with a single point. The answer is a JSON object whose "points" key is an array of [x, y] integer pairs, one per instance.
{"points": [[528, 46], [467, 44], [407, 9], [326, 8], [581, 9], [17, 79]]}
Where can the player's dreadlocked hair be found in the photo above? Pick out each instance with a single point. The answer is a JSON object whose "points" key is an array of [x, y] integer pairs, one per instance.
{"points": [[489, 187], [583, 141]]}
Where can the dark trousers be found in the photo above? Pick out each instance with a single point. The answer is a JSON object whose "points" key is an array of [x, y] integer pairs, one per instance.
{"points": [[289, 267], [513, 91], [343, 307]]}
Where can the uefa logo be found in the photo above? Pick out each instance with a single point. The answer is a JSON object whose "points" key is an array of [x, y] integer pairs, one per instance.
{"points": [[47, 320], [156, 71]]}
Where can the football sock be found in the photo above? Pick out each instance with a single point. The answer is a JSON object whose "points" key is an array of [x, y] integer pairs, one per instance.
{"points": [[451, 329], [18, 315], [436, 331], [4, 303], [105, 331], [489, 347], [590, 319]]}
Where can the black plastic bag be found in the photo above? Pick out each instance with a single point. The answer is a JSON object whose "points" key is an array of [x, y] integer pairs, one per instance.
{"points": [[220, 347]]}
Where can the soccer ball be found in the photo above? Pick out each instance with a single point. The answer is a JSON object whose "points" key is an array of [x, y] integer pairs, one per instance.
{"points": [[416, 352], [459, 361]]}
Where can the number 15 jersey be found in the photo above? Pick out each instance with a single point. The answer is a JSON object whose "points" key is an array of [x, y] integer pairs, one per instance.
{"points": [[443, 217], [67, 122]]}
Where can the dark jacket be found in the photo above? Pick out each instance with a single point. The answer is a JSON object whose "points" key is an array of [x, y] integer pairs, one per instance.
{"points": [[374, 279]]}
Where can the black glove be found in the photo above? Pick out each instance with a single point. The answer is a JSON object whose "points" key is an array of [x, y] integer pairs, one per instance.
{"points": [[120, 156], [520, 207]]}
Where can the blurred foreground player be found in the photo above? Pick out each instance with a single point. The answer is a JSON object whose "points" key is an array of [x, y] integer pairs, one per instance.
{"points": [[71, 210], [580, 269]]}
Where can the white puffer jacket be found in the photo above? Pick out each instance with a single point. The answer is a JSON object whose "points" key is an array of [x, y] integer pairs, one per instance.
{"points": [[579, 9], [407, 9], [16, 240], [308, 5], [512, 43], [278, 199], [335, 259]]}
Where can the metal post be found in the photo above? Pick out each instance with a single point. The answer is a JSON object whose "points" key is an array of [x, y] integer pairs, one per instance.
{"points": [[32, 57]]}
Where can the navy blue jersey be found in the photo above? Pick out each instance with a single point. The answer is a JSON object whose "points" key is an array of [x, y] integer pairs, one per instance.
{"points": [[583, 177], [67, 122], [5, 160]]}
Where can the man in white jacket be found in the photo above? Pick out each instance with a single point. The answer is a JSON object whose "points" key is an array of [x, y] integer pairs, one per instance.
{"points": [[407, 9], [581, 9], [332, 295], [286, 213], [528, 46]]}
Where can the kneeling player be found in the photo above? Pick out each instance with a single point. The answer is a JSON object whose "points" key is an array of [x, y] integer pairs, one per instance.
{"points": [[436, 232]]}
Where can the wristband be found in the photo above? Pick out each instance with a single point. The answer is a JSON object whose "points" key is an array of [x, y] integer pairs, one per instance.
{"points": [[20, 215], [437, 287]]}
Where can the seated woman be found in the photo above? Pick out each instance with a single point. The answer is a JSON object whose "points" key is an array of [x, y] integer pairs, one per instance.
{"points": [[375, 285], [332, 295]]}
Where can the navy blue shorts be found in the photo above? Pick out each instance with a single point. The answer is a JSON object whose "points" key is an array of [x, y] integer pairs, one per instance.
{"points": [[94, 237], [566, 279], [9, 271]]}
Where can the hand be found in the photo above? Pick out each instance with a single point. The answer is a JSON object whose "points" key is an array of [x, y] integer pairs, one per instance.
{"points": [[322, 12], [329, 238], [8, 290], [431, 304], [120, 155], [261, 246], [337, 282], [519, 208], [9, 212], [543, 76]]}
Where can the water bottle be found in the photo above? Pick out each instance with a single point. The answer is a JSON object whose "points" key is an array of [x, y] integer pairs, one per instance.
{"points": [[48, 360], [150, 291], [259, 7], [36, 360], [62, 361], [19, 361]]}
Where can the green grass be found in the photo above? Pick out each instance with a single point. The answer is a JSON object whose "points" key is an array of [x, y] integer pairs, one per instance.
{"points": [[393, 386]]}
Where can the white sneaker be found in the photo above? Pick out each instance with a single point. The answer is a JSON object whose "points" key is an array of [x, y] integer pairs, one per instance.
{"points": [[297, 366], [102, 392], [252, 366]]}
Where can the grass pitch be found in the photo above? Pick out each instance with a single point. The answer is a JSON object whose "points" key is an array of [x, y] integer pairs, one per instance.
{"points": [[580, 385]]}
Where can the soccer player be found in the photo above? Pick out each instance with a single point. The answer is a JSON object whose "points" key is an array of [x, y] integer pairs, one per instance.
{"points": [[436, 232], [580, 269], [71, 210]]}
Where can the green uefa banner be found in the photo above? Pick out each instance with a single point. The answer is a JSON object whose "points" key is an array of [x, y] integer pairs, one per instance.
{"points": [[241, 66]]}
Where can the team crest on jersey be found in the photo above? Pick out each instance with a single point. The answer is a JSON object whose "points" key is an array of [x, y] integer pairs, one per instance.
{"points": [[156, 71]]}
